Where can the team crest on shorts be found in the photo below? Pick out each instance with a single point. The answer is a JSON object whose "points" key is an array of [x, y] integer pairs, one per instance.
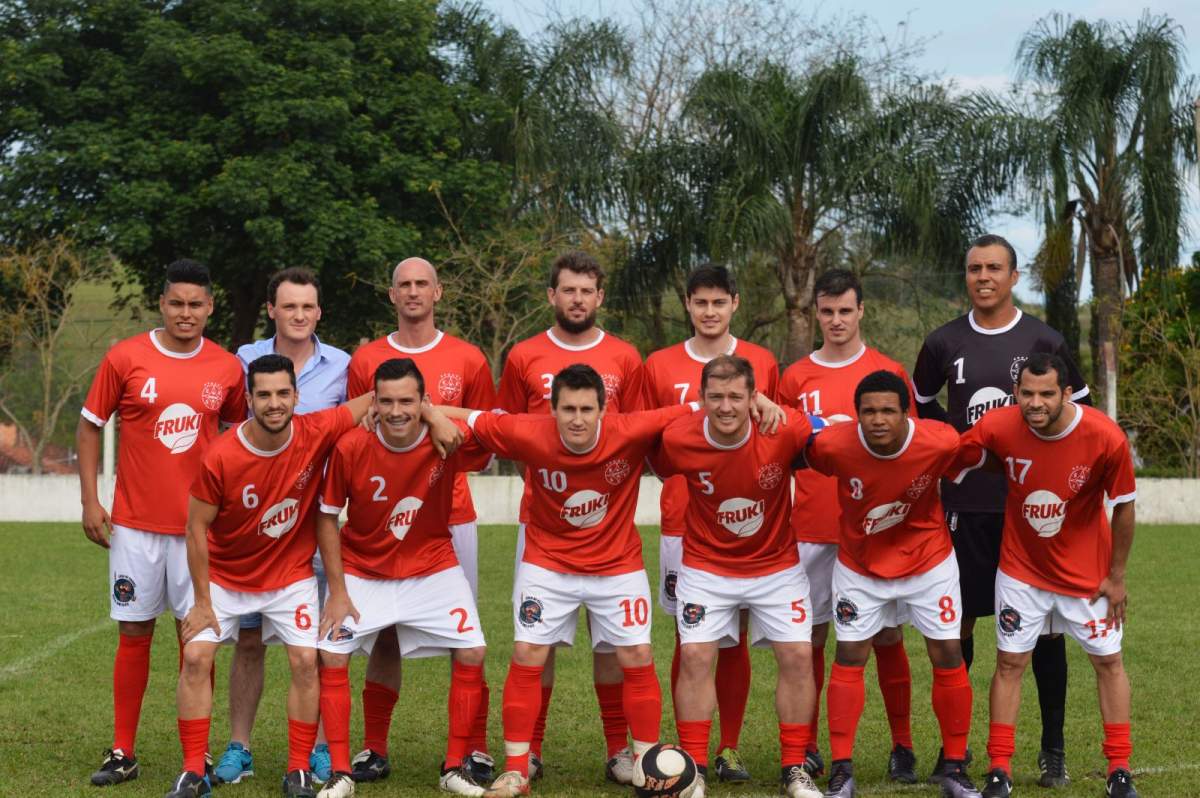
{"points": [[669, 585], [340, 634], [1079, 477], [1009, 620], [450, 386], [1014, 370], [692, 615], [124, 590], [530, 612], [616, 471], [919, 486], [770, 475], [845, 612], [212, 394]]}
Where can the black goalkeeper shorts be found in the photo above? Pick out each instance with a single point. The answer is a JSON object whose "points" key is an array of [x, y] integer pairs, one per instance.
{"points": [[976, 538]]}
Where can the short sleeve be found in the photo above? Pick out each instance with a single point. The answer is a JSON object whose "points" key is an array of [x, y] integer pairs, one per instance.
{"points": [[481, 391], [771, 389], [1119, 482], [972, 452], [817, 454], [660, 461], [105, 393], [787, 392], [511, 397], [800, 430], [357, 380], [1080, 393], [928, 376], [633, 391], [208, 486], [334, 490], [509, 436], [233, 409]]}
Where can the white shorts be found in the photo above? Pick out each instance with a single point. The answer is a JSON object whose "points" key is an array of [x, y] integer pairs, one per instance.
{"points": [[710, 607], [931, 601], [465, 538], [818, 560], [148, 575], [670, 557], [291, 615], [546, 609], [1023, 612]]}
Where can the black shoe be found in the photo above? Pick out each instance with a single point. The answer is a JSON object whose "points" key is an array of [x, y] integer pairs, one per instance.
{"points": [[1053, 764], [730, 767], [189, 785], [813, 763], [1120, 784], [841, 780], [481, 767], [299, 784], [537, 768], [936, 776], [369, 766], [997, 784], [955, 782], [902, 765], [115, 769]]}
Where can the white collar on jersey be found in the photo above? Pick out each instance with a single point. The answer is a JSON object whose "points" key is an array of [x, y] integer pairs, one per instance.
{"points": [[411, 350], [912, 428], [400, 449], [573, 347], [998, 330], [841, 363], [687, 347], [731, 446], [588, 450], [1070, 427], [262, 452], [168, 352]]}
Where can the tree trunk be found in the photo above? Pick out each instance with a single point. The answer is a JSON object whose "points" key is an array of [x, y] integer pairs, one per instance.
{"points": [[1062, 310], [1106, 297], [246, 304], [797, 273]]}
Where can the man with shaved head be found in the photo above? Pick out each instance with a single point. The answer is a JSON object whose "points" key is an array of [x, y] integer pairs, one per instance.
{"points": [[456, 373]]}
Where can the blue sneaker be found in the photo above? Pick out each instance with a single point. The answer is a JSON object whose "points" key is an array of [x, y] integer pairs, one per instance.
{"points": [[320, 764], [236, 764]]}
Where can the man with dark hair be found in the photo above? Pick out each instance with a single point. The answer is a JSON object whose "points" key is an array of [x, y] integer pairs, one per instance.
{"points": [[977, 358], [1062, 565], [170, 388], [576, 292], [824, 384], [673, 377], [294, 305]]}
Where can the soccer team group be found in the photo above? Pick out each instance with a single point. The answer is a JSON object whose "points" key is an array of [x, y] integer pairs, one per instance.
{"points": [[833, 494]]}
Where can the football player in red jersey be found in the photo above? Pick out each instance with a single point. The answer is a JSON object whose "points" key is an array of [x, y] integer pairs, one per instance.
{"points": [[1062, 564], [895, 560], [576, 291], [457, 374], [170, 387], [823, 384], [673, 377]]}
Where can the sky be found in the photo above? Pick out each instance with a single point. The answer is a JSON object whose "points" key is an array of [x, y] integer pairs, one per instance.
{"points": [[972, 44]]}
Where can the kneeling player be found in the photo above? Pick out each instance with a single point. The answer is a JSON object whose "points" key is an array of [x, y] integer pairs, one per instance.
{"points": [[894, 555], [1062, 566], [401, 569]]}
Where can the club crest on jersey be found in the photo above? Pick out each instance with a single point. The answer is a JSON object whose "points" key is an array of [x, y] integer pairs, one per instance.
{"points": [[742, 517], [918, 486], [770, 475], [1014, 370], [669, 583], [1045, 512], [177, 427], [436, 472], [1079, 477], [340, 634], [304, 476], [279, 518], [885, 516], [692, 615], [1009, 620], [616, 470], [845, 612], [124, 590], [401, 519], [986, 399], [530, 612], [450, 386], [212, 394], [612, 386], [584, 508]]}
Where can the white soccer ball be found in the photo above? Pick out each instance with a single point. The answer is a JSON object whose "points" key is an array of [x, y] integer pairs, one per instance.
{"points": [[664, 771]]}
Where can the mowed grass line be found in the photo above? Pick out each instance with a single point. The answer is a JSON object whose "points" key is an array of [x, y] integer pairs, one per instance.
{"points": [[55, 712]]}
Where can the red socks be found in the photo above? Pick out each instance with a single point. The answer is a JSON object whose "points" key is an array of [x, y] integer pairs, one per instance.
{"points": [[523, 707], [846, 696], [793, 743], [612, 715], [895, 682], [378, 701], [478, 741], [693, 738], [193, 738], [335, 711], [1001, 745], [952, 705], [642, 700], [301, 739], [818, 658], [733, 690], [1117, 746], [131, 672], [466, 689], [539, 727]]}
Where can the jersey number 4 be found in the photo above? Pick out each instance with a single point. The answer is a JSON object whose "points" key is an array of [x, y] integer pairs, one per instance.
{"points": [[150, 390]]}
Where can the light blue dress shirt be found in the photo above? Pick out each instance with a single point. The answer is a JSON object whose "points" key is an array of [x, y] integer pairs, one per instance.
{"points": [[322, 381]]}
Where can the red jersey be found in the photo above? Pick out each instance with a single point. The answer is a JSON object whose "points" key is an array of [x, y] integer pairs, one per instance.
{"points": [[673, 377], [826, 389], [169, 405], [264, 535], [531, 365], [456, 373], [1056, 532], [739, 500], [893, 524], [581, 516]]}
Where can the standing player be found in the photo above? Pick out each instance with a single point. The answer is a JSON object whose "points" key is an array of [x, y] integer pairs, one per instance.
{"points": [[401, 566], [575, 292], [977, 357], [458, 375], [823, 384], [294, 304], [894, 557], [251, 532], [170, 387], [1062, 566], [673, 377], [738, 554]]}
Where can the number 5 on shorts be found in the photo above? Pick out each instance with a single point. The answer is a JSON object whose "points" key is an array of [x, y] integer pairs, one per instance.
{"points": [[801, 613]]}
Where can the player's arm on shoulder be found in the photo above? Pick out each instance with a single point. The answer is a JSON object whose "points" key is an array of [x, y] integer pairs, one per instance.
{"points": [[973, 454], [201, 514], [359, 405], [443, 432], [927, 380], [97, 524], [768, 415], [338, 605]]}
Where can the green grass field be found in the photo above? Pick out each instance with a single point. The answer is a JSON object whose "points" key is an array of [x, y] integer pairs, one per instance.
{"points": [[56, 648]]}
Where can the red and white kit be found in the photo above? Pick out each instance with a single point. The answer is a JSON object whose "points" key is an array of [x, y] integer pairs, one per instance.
{"points": [[169, 406], [1057, 544], [894, 552], [261, 544]]}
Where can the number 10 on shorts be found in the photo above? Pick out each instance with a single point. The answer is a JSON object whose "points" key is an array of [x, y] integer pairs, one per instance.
{"points": [[637, 611]]}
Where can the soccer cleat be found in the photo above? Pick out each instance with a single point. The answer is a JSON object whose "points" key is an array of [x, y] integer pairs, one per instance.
{"points": [[236, 764], [458, 781], [902, 765], [320, 764], [619, 768], [997, 784], [796, 783], [338, 785], [698, 787], [210, 772], [480, 766], [189, 785], [369, 766], [1120, 784], [1053, 764], [298, 784], [536, 768], [813, 763], [115, 768], [508, 784], [841, 780], [955, 782], [730, 767]]}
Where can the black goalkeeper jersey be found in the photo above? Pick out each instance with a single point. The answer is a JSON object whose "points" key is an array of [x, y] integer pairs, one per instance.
{"points": [[979, 367]]}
